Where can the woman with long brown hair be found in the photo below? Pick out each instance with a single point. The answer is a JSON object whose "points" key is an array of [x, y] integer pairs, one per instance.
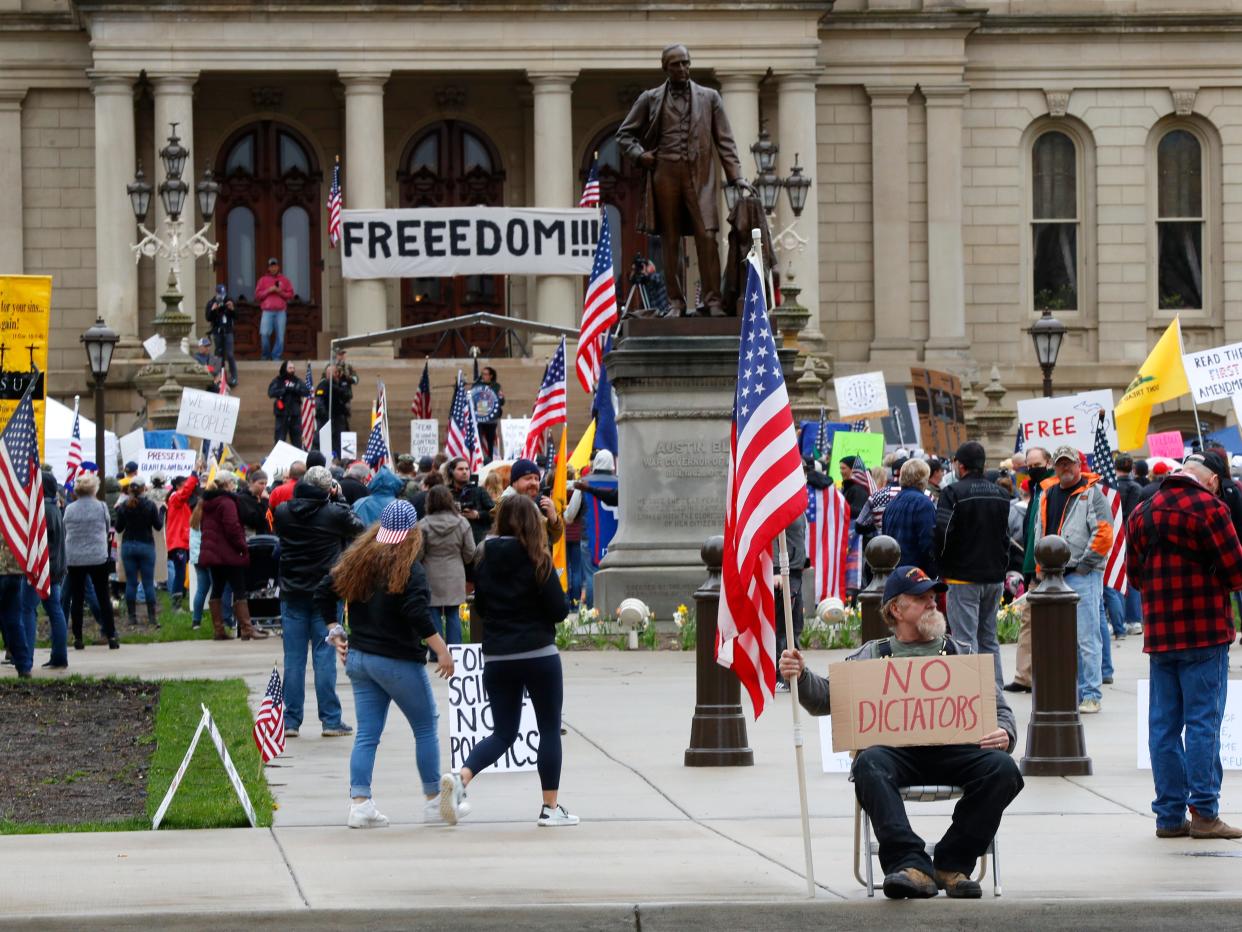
{"points": [[385, 588], [224, 551], [519, 597]]}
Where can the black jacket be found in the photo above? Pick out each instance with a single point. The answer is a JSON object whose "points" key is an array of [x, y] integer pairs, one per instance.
{"points": [[353, 490], [1129, 491], [972, 530], [519, 613], [138, 520], [252, 512], [342, 392], [313, 531], [287, 392], [221, 314], [471, 496], [387, 624], [58, 558]]}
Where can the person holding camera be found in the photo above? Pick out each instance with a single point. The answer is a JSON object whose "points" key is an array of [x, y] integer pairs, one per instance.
{"points": [[476, 506], [287, 392], [222, 314]]}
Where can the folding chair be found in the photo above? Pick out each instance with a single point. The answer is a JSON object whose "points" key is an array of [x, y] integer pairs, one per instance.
{"points": [[865, 849]]}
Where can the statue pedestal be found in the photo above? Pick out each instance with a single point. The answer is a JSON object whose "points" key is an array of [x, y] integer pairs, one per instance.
{"points": [[675, 380]]}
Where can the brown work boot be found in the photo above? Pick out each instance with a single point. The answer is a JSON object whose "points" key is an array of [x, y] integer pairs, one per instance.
{"points": [[909, 884], [958, 886], [1175, 831], [217, 620], [1211, 828], [246, 631]]}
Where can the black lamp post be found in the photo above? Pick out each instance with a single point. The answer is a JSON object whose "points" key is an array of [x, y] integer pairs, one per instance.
{"points": [[1047, 334], [100, 342]]}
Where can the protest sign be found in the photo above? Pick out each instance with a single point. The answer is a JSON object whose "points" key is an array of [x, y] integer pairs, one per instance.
{"points": [[513, 436], [470, 716], [831, 761], [155, 345], [424, 437], [848, 443], [167, 463], [349, 445], [133, 445], [1214, 374], [283, 455], [1230, 726], [898, 425], [942, 419], [1067, 419], [325, 440], [1168, 443], [861, 396], [25, 308], [912, 701], [208, 415], [442, 241]]}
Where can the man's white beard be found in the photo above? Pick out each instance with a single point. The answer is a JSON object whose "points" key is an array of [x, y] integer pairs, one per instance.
{"points": [[931, 626]]}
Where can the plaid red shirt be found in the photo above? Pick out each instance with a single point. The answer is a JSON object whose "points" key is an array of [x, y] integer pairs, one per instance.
{"points": [[1184, 555]]}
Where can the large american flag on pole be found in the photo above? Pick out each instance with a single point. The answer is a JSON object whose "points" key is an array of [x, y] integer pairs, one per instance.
{"points": [[1102, 460], [381, 415], [269, 725], [828, 540], [334, 205], [73, 462], [549, 407], [765, 493], [420, 407], [599, 311], [308, 412], [462, 438], [22, 518]]}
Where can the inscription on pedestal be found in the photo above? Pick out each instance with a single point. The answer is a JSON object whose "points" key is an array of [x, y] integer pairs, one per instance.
{"points": [[688, 459]]}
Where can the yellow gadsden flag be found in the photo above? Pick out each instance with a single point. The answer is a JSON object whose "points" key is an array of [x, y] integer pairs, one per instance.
{"points": [[560, 498], [1160, 378], [580, 459]]}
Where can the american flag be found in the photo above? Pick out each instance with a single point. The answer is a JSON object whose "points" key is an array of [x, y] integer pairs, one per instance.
{"points": [[462, 438], [765, 493], [1019, 443], [381, 413], [828, 540], [859, 427], [22, 518], [599, 312], [821, 436], [74, 461], [376, 453], [269, 726], [334, 205], [420, 407], [1102, 460], [308, 412], [549, 407], [590, 191], [864, 475]]}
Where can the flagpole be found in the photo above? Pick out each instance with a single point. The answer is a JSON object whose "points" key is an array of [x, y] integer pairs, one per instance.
{"points": [[1181, 351], [794, 705]]}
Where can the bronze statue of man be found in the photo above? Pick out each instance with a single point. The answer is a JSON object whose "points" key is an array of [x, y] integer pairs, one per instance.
{"points": [[676, 132]]}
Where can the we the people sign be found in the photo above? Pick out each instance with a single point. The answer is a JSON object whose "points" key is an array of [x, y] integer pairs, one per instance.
{"points": [[907, 701], [208, 415], [470, 715]]}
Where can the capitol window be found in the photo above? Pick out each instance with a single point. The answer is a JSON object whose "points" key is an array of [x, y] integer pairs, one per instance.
{"points": [[1179, 220], [1055, 223]]}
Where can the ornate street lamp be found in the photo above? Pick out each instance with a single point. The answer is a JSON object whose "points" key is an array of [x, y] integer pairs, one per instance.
{"points": [[764, 150], [768, 184], [796, 187], [207, 190], [140, 195], [100, 342], [1047, 334]]}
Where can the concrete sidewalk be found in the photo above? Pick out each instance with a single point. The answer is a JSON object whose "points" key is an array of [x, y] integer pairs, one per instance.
{"points": [[718, 847]]}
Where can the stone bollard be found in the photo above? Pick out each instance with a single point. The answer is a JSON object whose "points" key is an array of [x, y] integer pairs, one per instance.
{"points": [[1055, 743], [718, 729], [882, 555]]}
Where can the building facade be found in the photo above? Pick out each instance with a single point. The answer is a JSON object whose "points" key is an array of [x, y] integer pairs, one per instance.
{"points": [[972, 163]]}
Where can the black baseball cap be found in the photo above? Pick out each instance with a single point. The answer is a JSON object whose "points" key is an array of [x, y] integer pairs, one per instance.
{"points": [[910, 580]]}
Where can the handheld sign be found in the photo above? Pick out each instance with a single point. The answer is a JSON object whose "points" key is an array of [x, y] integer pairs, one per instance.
{"points": [[349, 445], [1169, 443], [167, 463], [1214, 374], [513, 432], [470, 716], [424, 437], [208, 415], [912, 701], [1069, 419]]}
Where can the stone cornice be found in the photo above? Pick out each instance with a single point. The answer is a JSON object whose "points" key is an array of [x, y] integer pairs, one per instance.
{"points": [[439, 7], [1110, 23]]}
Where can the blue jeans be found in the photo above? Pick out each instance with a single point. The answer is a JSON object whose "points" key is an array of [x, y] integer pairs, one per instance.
{"points": [[1106, 645], [377, 681], [574, 558], [178, 557], [138, 558], [55, 607], [971, 613], [1134, 604], [302, 627], [272, 324], [1188, 689], [589, 570], [1088, 586], [447, 619], [13, 604], [202, 575], [1115, 610]]}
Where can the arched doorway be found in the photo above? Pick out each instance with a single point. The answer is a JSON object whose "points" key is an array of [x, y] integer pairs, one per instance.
{"points": [[269, 206], [451, 164]]}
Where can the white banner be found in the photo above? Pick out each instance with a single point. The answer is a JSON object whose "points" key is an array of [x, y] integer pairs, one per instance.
{"points": [[1214, 374], [445, 241], [208, 415], [167, 463], [860, 396], [1230, 726], [325, 440], [1070, 419], [283, 456], [470, 715], [424, 437], [513, 435]]}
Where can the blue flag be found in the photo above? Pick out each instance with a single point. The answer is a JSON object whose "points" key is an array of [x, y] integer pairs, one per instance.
{"points": [[602, 410]]}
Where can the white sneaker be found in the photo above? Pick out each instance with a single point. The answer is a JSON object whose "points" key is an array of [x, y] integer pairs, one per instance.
{"points": [[365, 815], [1134, 627], [431, 812], [555, 817], [1089, 706], [452, 802]]}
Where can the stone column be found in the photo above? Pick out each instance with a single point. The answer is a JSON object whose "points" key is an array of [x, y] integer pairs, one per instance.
{"points": [[11, 258], [554, 183], [174, 103], [890, 199], [366, 302], [116, 273], [946, 286], [741, 101], [796, 98]]}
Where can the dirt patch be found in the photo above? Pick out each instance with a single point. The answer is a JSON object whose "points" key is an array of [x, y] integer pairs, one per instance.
{"points": [[73, 751]]}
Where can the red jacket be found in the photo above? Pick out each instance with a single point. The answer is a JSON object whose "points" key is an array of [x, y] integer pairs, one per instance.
{"points": [[224, 539], [177, 523], [274, 302], [282, 493], [1184, 555]]}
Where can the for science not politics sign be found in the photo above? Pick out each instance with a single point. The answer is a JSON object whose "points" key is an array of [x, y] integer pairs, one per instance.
{"points": [[445, 241], [470, 715]]}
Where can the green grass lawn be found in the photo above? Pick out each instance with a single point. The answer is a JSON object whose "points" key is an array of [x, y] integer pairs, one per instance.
{"points": [[174, 625]]}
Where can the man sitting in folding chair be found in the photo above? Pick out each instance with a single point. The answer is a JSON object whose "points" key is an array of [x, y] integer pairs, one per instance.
{"points": [[987, 773]]}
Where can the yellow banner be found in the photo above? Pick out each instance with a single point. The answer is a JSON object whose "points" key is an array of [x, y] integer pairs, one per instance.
{"points": [[560, 498], [580, 459], [25, 309], [1162, 377]]}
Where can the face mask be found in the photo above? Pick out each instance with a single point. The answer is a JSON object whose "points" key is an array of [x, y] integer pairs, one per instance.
{"points": [[1038, 473]]}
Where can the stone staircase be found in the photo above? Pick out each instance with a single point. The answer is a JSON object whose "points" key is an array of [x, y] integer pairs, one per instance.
{"points": [[518, 377]]}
